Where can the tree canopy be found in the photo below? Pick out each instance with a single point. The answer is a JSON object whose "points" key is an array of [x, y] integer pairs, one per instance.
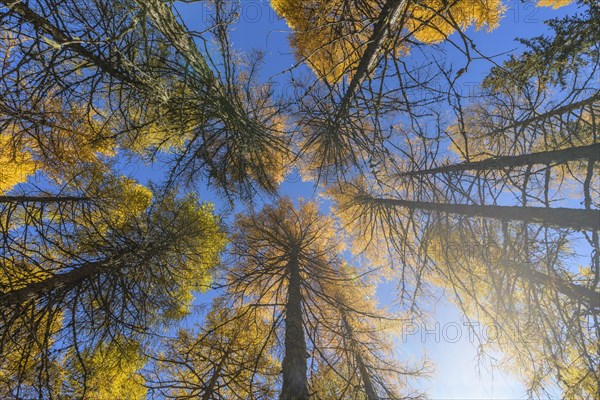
{"points": [[150, 246]]}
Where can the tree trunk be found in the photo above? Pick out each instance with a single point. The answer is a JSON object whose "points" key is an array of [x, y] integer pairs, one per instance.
{"points": [[73, 277], [577, 219], [365, 376], [388, 17], [210, 388], [42, 199], [573, 291], [165, 21], [41, 288], [295, 383], [591, 153]]}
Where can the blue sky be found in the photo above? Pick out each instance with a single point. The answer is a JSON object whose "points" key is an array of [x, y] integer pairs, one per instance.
{"points": [[445, 340]]}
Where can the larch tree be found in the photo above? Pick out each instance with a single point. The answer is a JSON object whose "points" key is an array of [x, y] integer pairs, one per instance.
{"points": [[77, 276], [288, 261], [499, 207]]}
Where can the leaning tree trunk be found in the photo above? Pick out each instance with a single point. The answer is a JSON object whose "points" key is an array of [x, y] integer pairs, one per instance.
{"points": [[573, 218], [209, 390], [295, 383], [562, 156], [365, 376]]}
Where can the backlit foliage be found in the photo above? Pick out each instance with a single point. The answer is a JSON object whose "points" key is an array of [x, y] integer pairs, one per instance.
{"points": [[500, 277], [329, 34], [15, 164], [332, 35], [228, 358], [489, 200], [281, 249], [433, 21]]}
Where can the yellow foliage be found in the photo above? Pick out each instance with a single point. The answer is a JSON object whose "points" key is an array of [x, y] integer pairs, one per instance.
{"points": [[332, 35], [111, 372], [22, 350], [262, 153], [77, 137], [434, 20], [15, 165], [129, 200], [69, 141], [553, 3], [152, 129], [233, 343], [204, 251]]}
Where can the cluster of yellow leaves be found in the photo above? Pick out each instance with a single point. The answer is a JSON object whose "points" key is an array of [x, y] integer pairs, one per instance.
{"points": [[369, 227], [434, 20], [229, 352], [77, 136], [22, 352], [127, 199], [16, 275], [201, 252], [264, 240], [68, 140], [553, 3], [332, 35], [153, 128], [260, 151], [15, 164], [111, 372]]}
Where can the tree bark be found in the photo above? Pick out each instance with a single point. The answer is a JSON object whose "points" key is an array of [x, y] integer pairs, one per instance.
{"points": [[42, 199], [577, 219], [365, 376], [591, 153], [294, 366], [573, 291], [387, 19], [210, 388], [77, 274], [41, 288]]}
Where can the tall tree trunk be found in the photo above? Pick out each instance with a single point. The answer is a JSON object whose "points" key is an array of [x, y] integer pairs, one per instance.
{"points": [[576, 292], [390, 13], [209, 390], [42, 199], [578, 219], [295, 382], [77, 274], [165, 21], [365, 376], [591, 153], [38, 289]]}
